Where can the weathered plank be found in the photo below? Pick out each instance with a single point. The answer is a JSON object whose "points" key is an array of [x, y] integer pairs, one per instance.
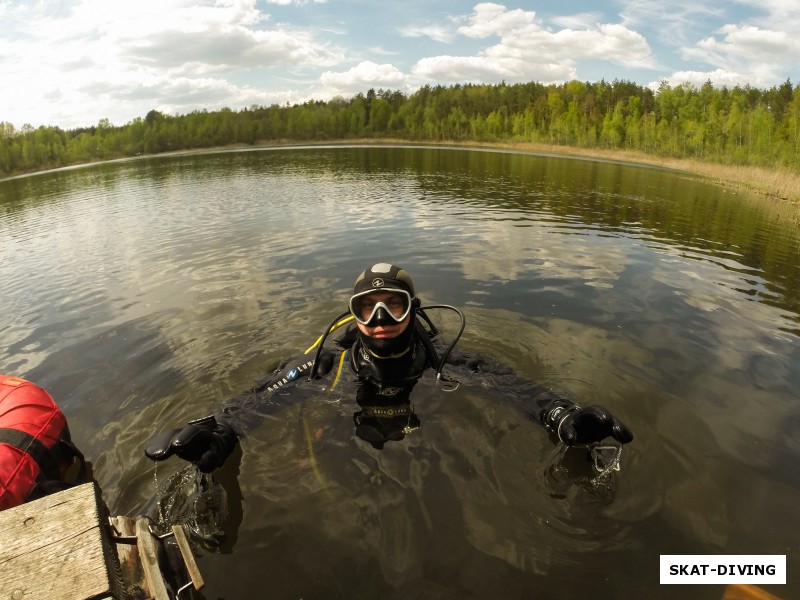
{"points": [[188, 557], [124, 537], [148, 555], [151, 568], [59, 547]]}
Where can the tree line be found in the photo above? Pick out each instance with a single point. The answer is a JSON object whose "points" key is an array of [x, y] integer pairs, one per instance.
{"points": [[740, 125]]}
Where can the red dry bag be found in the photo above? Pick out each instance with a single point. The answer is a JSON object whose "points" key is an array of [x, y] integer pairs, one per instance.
{"points": [[35, 447]]}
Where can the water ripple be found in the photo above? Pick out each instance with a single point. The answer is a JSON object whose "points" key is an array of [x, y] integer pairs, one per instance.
{"points": [[143, 294]]}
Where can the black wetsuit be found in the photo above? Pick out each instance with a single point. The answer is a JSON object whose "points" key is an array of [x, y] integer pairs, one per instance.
{"points": [[384, 386], [386, 371]]}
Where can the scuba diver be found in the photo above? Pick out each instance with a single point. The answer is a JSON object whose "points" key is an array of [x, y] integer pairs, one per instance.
{"points": [[388, 344]]}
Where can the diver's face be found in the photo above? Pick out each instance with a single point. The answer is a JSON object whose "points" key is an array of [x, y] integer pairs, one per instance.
{"points": [[395, 304], [384, 332]]}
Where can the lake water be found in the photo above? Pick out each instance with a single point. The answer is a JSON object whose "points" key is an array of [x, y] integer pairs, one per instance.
{"points": [[142, 294]]}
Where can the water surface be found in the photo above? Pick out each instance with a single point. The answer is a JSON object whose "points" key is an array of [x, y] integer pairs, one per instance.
{"points": [[142, 294]]}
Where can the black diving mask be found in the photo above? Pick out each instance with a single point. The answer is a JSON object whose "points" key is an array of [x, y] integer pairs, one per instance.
{"points": [[381, 307]]}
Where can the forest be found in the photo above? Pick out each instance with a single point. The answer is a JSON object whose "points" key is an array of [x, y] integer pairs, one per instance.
{"points": [[736, 126]]}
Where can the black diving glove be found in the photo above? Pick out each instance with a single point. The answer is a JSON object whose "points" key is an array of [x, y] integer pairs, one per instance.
{"points": [[205, 442], [576, 426]]}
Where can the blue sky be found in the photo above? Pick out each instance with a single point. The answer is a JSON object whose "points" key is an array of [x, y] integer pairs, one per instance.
{"points": [[71, 64]]}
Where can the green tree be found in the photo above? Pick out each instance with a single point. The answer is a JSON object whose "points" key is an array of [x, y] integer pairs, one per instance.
{"points": [[380, 113]]}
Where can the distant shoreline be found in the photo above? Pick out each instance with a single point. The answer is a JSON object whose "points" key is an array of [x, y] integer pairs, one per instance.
{"points": [[775, 184], [779, 186]]}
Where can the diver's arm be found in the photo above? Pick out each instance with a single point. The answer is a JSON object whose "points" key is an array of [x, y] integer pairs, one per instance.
{"points": [[271, 394], [561, 417], [575, 425], [208, 441]]}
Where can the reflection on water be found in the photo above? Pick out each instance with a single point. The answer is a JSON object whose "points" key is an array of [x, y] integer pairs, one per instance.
{"points": [[142, 294]]}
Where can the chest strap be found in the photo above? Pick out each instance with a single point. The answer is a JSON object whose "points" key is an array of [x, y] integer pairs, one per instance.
{"points": [[46, 458]]}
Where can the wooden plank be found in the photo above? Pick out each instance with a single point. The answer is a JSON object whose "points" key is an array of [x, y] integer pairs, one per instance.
{"points": [[124, 537], [188, 557], [148, 554], [58, 547]]}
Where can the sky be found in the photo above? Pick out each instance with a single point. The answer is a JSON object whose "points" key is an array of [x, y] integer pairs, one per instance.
{"points": [[72, 64]]}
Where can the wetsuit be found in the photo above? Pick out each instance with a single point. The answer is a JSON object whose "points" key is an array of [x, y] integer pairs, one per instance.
{"points": [[383, 386], [383, 393], [391, 347]]}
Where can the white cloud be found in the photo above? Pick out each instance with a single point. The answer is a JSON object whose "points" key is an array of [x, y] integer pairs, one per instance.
{"points": [[73, 62], [365, 75], [298, 2], [773, 14], [205, 39], [612, 42], [528, 51], [718, 77], [746, 54], [105, 59], [578, 21], [491, 69], [672, 21], [751, 44], [380, 51], [226, 49], [494, 19], [439, 33]]}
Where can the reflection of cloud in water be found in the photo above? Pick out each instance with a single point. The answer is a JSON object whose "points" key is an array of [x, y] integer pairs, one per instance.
{"points": [[592, 362], [695, 333], [721, 415], [495, 251], [734, 364]]}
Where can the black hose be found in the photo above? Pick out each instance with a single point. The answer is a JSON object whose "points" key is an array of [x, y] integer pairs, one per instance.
{"points": [[426, 338], [455, 340], [430, 349], [424, 315]]}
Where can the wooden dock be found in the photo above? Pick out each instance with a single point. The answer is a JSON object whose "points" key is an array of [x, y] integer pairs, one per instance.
{"points": [[66, 547]]}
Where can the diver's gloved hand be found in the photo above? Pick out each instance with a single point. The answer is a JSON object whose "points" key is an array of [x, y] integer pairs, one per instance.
{"points": [[204, 442], [576, 426], [590, 425]]}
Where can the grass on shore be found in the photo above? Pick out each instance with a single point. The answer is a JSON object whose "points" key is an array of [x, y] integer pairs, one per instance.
{"points": [[778, 184], [775, 189]]}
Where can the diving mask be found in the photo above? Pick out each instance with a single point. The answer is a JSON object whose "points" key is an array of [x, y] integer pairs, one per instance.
{"points": [[381, 307]]}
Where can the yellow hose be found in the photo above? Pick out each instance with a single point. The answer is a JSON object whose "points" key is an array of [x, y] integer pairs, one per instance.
{"points": [[341, 323]]}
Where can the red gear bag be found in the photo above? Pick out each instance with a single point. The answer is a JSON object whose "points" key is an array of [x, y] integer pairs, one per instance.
{"points": [[35, 447]]}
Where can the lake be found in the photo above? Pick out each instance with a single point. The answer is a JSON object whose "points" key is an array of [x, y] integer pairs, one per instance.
{"points": [[142, 294]]}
